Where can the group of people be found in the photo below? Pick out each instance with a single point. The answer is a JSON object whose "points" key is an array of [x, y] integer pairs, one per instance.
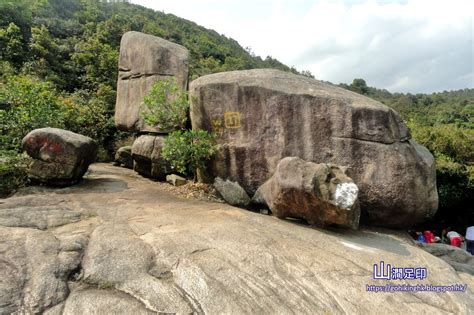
{"points": [[447, 236]]}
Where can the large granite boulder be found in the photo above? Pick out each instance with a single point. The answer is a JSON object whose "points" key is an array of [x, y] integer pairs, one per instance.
{"points": [[262, 116], [123, 157], [145, 59], [146, 155], [322, 194], [60, 157]]}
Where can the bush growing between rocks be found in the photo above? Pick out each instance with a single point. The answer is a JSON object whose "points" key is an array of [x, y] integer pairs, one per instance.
{"points": [[187, 151], [166, 106]]}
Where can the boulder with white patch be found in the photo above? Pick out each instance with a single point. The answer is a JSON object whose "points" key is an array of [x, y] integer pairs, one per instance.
{"points": [[321, 194]]}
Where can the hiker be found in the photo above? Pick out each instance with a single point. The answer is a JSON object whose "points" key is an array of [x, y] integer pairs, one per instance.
{"points": [[454, 238], [429, 236], [470, 239], [420, 238]]}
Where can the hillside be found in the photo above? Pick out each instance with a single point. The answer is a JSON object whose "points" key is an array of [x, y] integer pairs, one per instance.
{"points": [[75, 43]]}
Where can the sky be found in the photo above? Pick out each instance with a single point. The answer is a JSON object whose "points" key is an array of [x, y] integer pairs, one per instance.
{"points": [[416, 46]]}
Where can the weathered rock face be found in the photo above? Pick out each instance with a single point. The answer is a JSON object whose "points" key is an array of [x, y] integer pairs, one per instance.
{"points": [[34, 268], [322, 194], [262, 116], [232, 193], [145, 59], [146, 154], [123, 156], [60, 157]]}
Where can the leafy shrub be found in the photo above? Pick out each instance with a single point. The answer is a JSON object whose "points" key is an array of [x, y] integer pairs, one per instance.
{"points": [[89, 114], [446, 140], [187, 151], [166, 106], [12, 172]]}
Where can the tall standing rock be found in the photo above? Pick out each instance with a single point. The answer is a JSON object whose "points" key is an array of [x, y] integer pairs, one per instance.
{"points": [[262, 116], [145, 59]]}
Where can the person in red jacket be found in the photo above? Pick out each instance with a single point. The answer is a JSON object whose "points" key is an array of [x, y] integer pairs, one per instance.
{"points": [[454, 238]]}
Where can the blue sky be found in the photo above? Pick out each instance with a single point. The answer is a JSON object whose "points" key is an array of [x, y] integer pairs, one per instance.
{"points": [[403, 46]]}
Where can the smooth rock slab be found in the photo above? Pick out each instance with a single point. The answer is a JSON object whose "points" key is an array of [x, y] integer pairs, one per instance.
{"points": [[262, 116], [460, 259], [33, 271], [60, 157], [133, 269], [321, 194], [183, 255], [38, 217], [144, 60], [93, 301]]}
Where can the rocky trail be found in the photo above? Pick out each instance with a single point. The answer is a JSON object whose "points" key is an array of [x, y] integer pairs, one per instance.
{"points": [[120, 243]]}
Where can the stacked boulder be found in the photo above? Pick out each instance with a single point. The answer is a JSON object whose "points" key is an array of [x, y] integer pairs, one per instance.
{"points": [[60, 157], [144, 60], [262, 116]]}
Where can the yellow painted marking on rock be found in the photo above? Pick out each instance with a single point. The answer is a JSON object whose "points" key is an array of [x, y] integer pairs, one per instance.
{"points": [[232, 120]]}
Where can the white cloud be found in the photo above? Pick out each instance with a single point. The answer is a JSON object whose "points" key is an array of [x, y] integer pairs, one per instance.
{"points": [[412, 45]]}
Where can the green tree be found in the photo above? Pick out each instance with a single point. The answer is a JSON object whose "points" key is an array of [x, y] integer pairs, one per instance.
{"points": [[359, 86], [28, 104], [11, 44], [166, 105]]}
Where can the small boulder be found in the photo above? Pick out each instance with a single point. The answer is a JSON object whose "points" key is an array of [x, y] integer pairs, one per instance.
{"points": [[176, 180], [321, 194], [60, 157], [146, 155], [232, 192], [123, 156]]}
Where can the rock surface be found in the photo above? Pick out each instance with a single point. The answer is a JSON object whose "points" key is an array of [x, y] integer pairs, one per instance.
{"points": [[460, 259], [231, 192], [123, 157], [321, 194], [175, 180], [145, 59], [60, 157], [34, 270], [146, 155], [262, 116], [142, 250]]}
